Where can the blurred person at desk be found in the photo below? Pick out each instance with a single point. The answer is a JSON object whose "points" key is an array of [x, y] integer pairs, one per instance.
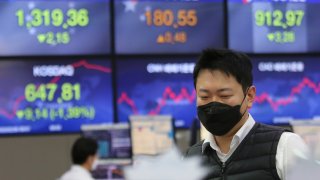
{"points": [[84, 158], [237, 147]]}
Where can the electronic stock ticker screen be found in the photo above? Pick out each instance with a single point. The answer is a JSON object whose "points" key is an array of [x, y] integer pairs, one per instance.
{"points": [[54, 97], [54, 27], [168, 26], [274, 26]]}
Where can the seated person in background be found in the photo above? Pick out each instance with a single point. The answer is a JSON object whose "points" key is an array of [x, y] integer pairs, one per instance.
{"points": [[237, 147], [84, 157]]}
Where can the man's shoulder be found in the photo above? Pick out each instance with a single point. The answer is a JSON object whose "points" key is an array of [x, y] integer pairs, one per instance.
{"points": [[267, 127], [196, 149], [76, 173], [66, 175]]}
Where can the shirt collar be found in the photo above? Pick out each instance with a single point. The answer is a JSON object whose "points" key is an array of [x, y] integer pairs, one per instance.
{"points": [[237, 138], [80, 168]]}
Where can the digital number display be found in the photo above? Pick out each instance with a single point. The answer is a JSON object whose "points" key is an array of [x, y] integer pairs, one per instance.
{"points": [[61, 27], [168, 26], [267, 26], [156, 87], [51, 96], [287, 89]]}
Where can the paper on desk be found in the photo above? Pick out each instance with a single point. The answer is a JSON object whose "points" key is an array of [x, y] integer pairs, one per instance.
{"points": [[168, 166]]}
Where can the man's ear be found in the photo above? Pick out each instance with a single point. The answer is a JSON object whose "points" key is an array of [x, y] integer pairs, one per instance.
{"points": [[251, 95], [90, 159]]}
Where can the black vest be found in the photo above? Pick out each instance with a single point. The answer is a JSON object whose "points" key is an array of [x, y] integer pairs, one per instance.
{"points": [[254, 158]]}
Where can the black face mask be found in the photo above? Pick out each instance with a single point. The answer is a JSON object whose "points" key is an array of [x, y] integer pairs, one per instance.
{"points": [[219, 118]]}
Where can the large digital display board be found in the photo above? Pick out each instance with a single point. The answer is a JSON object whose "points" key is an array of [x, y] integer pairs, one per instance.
{"points": [[59, 27], [156, 87], [288, 88], [54, 96], [273, 26], [157, 26]]}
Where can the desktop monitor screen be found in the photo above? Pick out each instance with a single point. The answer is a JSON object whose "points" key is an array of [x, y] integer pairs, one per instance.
{"points": [[151, 135], [114, 141]]}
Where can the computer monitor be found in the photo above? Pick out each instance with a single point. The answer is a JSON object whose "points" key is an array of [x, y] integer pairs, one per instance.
{"points": [[114, 149], [151, 135], [113, 140], [107, 171]]}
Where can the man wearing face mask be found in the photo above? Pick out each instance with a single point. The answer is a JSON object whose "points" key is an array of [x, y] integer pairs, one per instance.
{"points": [[84, 158], [237, 147]]}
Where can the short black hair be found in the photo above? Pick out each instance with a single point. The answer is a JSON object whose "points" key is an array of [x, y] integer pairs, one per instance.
{"points": [[83, 148], [230, 62]]}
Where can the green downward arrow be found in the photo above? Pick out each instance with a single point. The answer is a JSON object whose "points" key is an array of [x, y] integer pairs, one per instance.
{"points": [[271, 36], [41, 38], [20, 114]]}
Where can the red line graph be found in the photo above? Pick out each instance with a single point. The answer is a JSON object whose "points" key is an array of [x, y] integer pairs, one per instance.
{"points": [[306, 82], [184, 95], [81, 63], [245, 1], [168, 94], [124, 98], [85, 64]]}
